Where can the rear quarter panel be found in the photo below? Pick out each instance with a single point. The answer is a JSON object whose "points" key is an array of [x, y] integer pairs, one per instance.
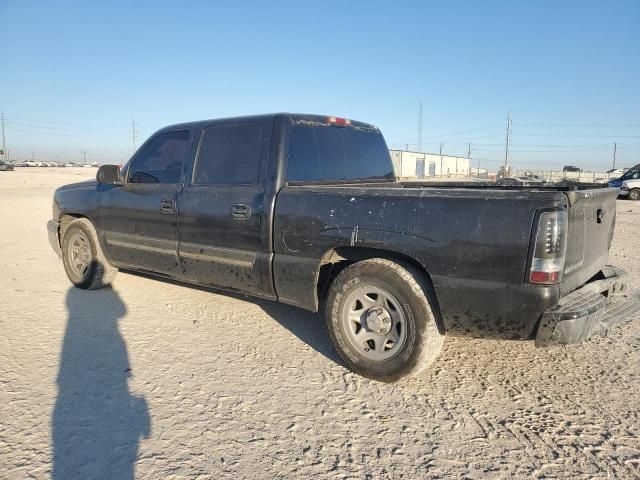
{"points": [[474, 244]]}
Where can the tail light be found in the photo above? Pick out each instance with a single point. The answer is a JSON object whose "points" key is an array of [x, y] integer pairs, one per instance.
{"points": [[550, 248]]}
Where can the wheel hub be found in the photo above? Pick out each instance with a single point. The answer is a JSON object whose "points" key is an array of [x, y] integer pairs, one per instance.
{"points": [[378, 320], [80, 256], [375, 323]]}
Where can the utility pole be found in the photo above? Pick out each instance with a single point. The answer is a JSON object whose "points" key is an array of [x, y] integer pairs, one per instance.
{"points": [[478, 168], [420, 128], [33, 155], [441, 145], [615, 147], [507, 143], [134, 134], [4, 145], [469, 151]]}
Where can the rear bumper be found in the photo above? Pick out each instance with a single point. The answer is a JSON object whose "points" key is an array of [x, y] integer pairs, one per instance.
{"points": [[589, 311], [52, 233]]}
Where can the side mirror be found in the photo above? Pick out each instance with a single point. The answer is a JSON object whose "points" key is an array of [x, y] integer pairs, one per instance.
{"points": [[109, 174]]}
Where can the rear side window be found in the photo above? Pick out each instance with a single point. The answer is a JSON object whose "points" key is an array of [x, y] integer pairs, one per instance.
{"points": [[161, 159], [229, 155], [319, 153]]}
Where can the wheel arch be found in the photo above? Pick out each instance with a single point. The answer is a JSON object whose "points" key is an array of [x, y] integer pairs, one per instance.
{"points": [[335, 260], [65, 219]]}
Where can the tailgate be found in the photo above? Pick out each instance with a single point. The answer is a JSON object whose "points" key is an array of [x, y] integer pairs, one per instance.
{"points": [[591, 217]]}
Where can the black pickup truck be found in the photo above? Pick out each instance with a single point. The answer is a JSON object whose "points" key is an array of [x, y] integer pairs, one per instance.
{"points": [[306, 210]]}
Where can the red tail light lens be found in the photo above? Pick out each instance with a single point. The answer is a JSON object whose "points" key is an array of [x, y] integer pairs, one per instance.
{"points": [[550, 248]]}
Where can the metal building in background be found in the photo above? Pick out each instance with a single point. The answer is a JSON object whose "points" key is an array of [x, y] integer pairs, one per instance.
{"points": [[409, 165]]}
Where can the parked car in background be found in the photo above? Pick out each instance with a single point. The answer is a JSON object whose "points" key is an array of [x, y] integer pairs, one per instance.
{"points": [[571, 168], [631, 174], [630, 189], [5, 167], [614, 172]]}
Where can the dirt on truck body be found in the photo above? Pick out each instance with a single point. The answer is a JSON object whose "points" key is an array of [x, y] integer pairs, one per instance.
{"points": [[305, 209]]}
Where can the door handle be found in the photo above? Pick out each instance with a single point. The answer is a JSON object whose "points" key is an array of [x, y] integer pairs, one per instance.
{"points": [[168, 206], [240, 211]]}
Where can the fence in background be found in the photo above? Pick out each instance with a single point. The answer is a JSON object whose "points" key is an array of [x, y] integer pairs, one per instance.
{"points": [[583, 177]]}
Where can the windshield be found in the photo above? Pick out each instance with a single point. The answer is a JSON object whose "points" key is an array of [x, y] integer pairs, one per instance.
{"points": [[631, 175]]}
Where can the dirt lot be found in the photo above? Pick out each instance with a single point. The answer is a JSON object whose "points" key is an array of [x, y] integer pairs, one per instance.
{"points": [[175, 382]]}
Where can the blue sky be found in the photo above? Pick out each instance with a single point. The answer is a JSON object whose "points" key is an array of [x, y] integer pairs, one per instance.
{"points": [[75, 74]]}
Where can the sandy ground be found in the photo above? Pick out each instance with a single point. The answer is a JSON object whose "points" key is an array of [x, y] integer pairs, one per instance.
{"points": [[166, 381]]}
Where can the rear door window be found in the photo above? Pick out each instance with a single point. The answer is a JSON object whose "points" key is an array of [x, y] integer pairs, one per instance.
{"points": [[161, 159], [329, 153], [229, 155]]}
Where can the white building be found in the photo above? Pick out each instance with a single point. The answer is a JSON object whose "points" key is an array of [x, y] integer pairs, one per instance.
{"points": [[479, 172], [420, 165]]}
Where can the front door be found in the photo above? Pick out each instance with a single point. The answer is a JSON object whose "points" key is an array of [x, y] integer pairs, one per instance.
{"points": [[221, 209], [139, 219]]}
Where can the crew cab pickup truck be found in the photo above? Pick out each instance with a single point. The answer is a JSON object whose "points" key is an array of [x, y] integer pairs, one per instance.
{"points": [[306, 210]]}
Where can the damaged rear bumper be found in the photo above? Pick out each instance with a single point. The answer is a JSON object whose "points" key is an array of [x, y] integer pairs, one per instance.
{"points": [[589, 311]]}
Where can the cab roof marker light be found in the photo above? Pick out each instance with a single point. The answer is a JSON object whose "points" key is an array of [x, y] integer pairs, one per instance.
{"points": [[339, 121]]}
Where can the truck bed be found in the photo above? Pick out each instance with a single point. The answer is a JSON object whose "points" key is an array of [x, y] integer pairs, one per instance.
{"points": [[560, 187], [474, 240]]}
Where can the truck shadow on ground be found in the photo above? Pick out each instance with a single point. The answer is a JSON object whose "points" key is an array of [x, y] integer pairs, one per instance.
{"points": [[97, 424], [308, 327]]}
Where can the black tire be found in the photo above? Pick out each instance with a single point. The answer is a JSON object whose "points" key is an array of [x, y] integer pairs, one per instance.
{"points": [[422, 341], [634, 194], [98, 273]]}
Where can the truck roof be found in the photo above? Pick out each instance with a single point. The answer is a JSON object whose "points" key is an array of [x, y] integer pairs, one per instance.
{"points": [[295, 118]]}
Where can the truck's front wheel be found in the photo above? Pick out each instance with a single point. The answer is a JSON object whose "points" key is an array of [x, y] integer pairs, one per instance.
{"points": [[84, 262], [380, 316]]}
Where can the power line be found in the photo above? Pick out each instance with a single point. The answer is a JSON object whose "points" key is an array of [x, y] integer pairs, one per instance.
{"points": [[465, 131], [21, 124], [57, 122], [57, 134], [576, 136], [579, 125]]}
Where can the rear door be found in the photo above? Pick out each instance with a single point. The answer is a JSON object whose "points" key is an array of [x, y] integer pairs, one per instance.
{"points": [[139, 219], [221, 208]]}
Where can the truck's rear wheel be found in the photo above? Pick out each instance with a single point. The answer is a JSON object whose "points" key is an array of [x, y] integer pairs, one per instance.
{"points": [[381, 320], [83, 260]]}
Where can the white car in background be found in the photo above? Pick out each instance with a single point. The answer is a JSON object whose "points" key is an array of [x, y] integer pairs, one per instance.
{"points": [[630, 189]]}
